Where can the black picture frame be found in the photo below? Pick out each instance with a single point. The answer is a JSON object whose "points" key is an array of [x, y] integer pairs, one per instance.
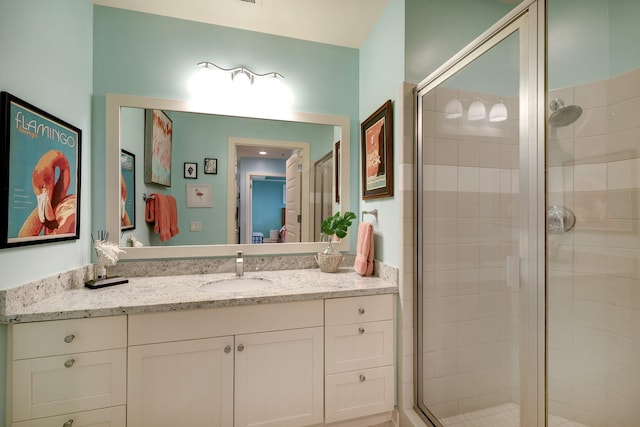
{"points": [[377, 153], [127, 190], [190, 170], [39, 151], [211, 166]]}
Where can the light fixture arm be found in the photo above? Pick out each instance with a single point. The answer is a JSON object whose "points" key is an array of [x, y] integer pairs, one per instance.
{"points": [[240, 70]]}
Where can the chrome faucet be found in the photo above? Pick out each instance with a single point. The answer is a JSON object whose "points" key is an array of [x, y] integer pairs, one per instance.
{"points": [[239, 264]]}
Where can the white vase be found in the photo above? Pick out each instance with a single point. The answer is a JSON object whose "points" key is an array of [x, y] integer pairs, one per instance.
{"points": [[330, 258]]}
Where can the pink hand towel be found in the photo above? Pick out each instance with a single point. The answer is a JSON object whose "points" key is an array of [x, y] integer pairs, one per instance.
{"points": [[364, 250], [162, 211]]}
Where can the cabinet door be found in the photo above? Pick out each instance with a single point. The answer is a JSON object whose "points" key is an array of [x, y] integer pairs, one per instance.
{"points": [[183, 383], [109, 417], [279, 378], [58, 385]]}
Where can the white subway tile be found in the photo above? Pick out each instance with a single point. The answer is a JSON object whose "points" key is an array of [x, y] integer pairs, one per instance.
{"points": [[489, 180], [446, 178], [469, 179], [590, 177]]}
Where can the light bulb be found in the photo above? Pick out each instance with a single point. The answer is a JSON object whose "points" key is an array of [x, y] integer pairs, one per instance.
{"points": [[241, 80], [453, 109], [498, 112], [477, 111]]}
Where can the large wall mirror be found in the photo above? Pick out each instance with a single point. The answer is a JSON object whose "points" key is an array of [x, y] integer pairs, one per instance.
{"points": [[257, 175]]}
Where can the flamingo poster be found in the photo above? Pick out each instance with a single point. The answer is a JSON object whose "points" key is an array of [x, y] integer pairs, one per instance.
{"points": [[41, 178]]}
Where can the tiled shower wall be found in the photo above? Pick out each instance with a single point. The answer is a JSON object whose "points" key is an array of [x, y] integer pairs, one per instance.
{"points": [[470, 227], [594, 270]]}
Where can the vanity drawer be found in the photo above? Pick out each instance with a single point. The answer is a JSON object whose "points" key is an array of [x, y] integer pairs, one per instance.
{"points": [[108, 417], [342, 311], [359, 393], [358, 346], [57, 385], [39, 339], [152, 328]]}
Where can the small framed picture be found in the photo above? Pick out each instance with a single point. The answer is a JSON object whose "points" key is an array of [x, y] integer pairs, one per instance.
{"points": [[211, 166], [377, 153], [199, 196], [190, 170]]}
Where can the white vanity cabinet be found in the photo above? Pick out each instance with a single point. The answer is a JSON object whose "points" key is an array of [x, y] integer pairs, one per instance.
{"points": [[67, 372], [359, 359], [257, 365]]}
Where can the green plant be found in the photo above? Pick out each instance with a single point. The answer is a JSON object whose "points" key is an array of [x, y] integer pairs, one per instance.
{"points": [[338, 224]]}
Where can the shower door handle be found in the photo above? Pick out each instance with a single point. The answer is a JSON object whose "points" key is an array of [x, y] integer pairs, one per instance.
{"points": [[513, 272]]}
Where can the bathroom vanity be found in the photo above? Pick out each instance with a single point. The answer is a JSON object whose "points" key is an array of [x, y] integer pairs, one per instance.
{"points": [[302, 349]]}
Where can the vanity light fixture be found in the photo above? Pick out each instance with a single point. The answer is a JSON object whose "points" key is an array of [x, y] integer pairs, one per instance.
{"points": [[241, 72], [477, 110], [262, 153]]}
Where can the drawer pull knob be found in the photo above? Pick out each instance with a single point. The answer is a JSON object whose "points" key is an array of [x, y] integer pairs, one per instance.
{"points": [[68, 423], [361, 331], [69, 363], [69, 338], [240, 347], [361, 310], [227, 349], [362, 378]]}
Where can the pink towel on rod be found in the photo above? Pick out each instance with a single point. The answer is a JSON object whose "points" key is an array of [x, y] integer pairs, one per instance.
{"points": [[364, 250], [162, 211]]}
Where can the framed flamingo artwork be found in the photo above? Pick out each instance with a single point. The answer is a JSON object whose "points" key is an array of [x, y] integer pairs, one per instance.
{"points": [[199, 196], [158, 135], [40, 191], [377, 153]]}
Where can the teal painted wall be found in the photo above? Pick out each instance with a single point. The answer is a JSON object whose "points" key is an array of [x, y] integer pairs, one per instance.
{"points": [[381, 78], [266, 209], [148, 55], [591, 40], [46, 50], [436, 30]]}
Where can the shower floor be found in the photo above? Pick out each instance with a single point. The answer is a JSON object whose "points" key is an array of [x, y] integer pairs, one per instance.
{"points": [[507, 415]]}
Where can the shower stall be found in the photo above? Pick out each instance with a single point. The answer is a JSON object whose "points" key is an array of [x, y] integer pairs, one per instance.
{"points": [[528, 223]]}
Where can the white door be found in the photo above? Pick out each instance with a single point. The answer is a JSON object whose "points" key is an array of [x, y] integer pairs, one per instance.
{"points": [[185, 383], [293, 188], [279, 378]]}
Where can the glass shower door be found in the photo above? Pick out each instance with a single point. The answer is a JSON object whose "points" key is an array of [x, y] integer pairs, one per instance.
{"points": [[476, 283], [593, 157]]}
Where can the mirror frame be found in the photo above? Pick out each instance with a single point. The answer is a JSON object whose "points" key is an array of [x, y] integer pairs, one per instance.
{"points": [[114, 102]]}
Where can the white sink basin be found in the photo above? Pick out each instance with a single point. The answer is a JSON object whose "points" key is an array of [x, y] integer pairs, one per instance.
{"points": [[236, 284]]}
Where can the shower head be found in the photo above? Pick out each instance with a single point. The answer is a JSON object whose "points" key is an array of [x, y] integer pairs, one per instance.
{"points": [[563, 116]]}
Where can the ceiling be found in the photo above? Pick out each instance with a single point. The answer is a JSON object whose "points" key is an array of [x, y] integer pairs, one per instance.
{"points": [[336, 22], [279, 153]]}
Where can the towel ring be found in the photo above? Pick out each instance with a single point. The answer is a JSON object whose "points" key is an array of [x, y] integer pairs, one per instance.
{"points": [[373, 212]]}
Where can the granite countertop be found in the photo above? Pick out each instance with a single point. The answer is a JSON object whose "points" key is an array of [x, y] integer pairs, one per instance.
{"points": [[171, 293]]}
